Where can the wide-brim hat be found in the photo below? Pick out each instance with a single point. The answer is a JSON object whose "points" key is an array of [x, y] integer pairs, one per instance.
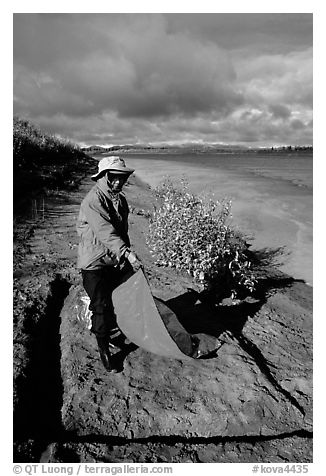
{"points": [[114, 163]]}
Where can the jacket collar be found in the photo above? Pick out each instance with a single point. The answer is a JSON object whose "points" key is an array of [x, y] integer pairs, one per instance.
{"points": [[103, 185]]}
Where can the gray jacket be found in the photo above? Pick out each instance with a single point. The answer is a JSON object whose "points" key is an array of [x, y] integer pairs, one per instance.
{"points": [[102, 226]]}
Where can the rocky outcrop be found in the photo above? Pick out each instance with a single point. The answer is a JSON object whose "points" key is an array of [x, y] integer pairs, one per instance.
{"points": [[250, 399], [259, 383]]}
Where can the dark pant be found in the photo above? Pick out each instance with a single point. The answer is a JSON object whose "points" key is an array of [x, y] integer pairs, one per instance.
{"points": [[99, 285]]}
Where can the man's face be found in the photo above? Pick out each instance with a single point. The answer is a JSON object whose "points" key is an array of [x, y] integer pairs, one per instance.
{"points": [[116, 181]]}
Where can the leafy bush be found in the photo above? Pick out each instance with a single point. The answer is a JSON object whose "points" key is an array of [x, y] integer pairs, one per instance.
{"points": [[191, 233], [32, 147], [42, 163]]}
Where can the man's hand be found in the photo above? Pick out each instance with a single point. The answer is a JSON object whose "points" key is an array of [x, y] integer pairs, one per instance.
{"points": [[134, 261]]}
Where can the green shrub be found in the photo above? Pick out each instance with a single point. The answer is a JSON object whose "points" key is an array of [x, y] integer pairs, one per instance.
{"points": [[32, 147], [42, 163], [192, 233]]}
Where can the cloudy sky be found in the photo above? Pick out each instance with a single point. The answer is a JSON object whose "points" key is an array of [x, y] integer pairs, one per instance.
{"points": [[238, 78]]}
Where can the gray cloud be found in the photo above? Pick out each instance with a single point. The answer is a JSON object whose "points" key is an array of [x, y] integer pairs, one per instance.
{"points": [[253, 33], [279, 110], [156, 77], [150, 74]]}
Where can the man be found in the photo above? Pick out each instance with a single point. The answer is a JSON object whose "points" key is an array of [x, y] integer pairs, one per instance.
{"points": [[104, 254]]}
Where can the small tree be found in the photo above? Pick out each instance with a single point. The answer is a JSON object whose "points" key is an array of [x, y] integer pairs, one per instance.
{"points": [[191, 233]]}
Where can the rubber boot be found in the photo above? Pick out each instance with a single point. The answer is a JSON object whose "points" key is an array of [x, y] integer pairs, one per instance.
{"points": [[117, 340], [105, 354]]}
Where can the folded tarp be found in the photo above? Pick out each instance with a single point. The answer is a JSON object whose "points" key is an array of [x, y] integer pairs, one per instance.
{"points": [[148, 322]]}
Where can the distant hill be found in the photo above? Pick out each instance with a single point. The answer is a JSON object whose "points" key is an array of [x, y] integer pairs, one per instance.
{"points": [[189, 148], [95, 148]]}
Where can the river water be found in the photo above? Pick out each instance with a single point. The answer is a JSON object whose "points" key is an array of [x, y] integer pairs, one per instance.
{"points": [[272, 196]]}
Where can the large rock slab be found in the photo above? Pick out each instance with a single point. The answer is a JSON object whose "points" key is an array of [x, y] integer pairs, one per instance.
{"points": [[230, 395], [280, 339]]}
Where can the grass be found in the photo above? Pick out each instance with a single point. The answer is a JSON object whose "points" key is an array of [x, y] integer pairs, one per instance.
{"points": [[42, 162]]}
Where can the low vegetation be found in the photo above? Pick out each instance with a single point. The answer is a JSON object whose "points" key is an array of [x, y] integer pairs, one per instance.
{"points": [[41, 162], [33, 147], [192, 233]]}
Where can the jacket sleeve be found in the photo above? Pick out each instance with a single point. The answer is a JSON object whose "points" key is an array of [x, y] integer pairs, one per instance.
{"points": [[100, 222]]}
